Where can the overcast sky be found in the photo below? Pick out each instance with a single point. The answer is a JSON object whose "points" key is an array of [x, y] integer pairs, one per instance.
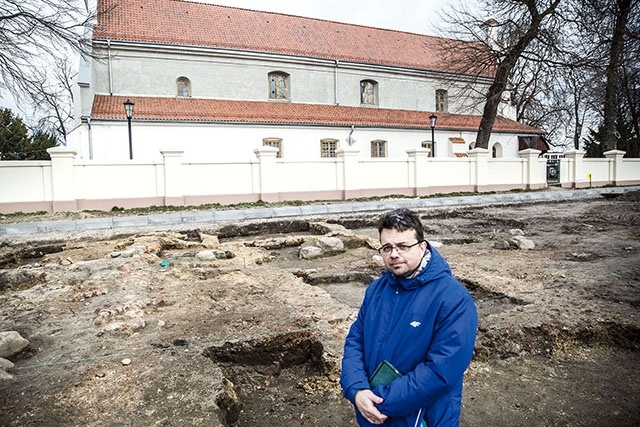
{"points": [[416, 16]]}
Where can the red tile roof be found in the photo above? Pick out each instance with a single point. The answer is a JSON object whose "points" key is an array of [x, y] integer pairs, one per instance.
{"points": [[209, 110], [184, 23]]}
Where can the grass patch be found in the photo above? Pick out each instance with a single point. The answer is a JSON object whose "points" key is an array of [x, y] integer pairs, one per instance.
{"points": [[21, 214]]}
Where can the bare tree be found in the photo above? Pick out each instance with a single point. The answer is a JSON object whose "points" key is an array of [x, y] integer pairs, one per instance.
{"points": [[631, 98], [508, 33], [568, 65], [540, 99], [52, 97], [608, 45], [557, 96], [580, 89], [34, 36], [524, 24]]}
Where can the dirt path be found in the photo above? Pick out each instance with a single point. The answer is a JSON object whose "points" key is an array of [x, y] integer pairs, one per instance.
{"points": [[227, 326]]}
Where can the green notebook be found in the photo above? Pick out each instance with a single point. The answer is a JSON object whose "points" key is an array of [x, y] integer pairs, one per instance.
{"points": [[384, 374]]}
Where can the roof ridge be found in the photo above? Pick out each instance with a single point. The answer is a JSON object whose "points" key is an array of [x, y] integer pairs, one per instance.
{"points": [[312, 18]]}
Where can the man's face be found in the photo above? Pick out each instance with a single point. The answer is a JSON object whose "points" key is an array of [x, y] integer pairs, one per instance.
{"points": [[398, 262]]}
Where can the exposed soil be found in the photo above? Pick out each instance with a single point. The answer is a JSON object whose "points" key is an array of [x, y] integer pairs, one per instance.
{"points": [[226, 326]]}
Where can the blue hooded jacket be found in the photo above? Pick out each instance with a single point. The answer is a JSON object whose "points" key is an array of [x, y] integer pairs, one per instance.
{"points": [[426, 328]]}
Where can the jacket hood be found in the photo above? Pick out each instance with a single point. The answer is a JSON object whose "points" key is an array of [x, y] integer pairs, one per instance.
{"points": [[435, 269]]}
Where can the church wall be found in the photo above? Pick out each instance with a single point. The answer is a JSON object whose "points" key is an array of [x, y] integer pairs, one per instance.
{"points": [[225, 142], [241, 76]]}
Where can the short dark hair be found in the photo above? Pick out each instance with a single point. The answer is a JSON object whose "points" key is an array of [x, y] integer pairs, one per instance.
{"points": [[401, 219]]}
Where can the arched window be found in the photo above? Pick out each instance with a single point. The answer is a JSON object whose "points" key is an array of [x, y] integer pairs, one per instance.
{"points": [[496, 150], [378, 148], [328, 147], [441, 101], [274, 142], [278, 85], [183, 86], [427, 145], [368, 92]]}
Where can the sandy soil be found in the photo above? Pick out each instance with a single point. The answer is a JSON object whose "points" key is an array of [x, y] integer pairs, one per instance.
{"points": [[226, 326]]}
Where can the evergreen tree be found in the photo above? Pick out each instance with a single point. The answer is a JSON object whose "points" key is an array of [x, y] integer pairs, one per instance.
{"points": [[40, 141], [594, 143], [627, 138], [14, 136], [17, 142]]}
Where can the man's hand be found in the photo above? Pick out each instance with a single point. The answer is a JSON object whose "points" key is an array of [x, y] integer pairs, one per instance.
{"points": [[365, 402]]}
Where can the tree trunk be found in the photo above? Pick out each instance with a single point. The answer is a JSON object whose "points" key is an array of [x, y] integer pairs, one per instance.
{"points": [[577, 130], [494, 96], [613, 74], [504, 69]]}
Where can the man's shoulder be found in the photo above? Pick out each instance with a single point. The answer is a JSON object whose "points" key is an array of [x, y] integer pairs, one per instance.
{"points": [[457, 297], [383, 280], [377, 280], [449, 288]]}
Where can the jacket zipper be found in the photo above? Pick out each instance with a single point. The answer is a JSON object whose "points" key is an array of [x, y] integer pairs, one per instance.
{"points": [[419, 419]]}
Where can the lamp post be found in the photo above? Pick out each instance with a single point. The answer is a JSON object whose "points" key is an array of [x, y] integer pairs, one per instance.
{"points": [[432, 121], [128, 110]]}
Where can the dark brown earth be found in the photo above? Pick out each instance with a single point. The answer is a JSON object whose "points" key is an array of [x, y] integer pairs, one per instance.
{"points": [[254, 336]]}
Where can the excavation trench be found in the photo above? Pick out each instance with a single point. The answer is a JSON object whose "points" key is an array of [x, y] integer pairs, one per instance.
{"points": [[268, 379], [26, 253]]}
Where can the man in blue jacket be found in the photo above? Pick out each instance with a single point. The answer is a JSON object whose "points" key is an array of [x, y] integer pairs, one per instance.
{"points": [[421, 320]]}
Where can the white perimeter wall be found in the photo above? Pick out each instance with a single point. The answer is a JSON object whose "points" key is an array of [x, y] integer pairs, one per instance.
{"points": [[69, 183]]}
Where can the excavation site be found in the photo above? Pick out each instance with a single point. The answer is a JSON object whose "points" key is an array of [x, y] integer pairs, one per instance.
{"points": [[242, 324]]}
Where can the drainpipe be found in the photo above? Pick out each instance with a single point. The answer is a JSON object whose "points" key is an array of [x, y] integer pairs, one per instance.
{"points": [[335, 83], [90, 138], [109, 63], [349, 140], [88, 120]]}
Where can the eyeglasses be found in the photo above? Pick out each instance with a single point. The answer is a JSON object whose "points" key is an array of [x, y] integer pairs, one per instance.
{"points": [[401, 248]]}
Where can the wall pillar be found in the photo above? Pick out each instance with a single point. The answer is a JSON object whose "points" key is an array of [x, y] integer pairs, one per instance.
{"points": [[63, 179], [173, 177], [268, 179], [531, 169], [349, 157], [421, 170], [615, 171], [577, 174], [479, 168]]}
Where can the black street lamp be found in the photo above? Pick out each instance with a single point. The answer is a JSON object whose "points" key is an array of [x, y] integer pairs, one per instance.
{"points": [[128, 110], [432, 121]]}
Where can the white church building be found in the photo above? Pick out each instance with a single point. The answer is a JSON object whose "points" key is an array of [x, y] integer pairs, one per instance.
{"points": [[228, 105], [217, 83]]}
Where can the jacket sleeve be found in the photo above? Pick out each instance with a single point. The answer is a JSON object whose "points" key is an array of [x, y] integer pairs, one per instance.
{"points": [[447, 359], [354, 376]]}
